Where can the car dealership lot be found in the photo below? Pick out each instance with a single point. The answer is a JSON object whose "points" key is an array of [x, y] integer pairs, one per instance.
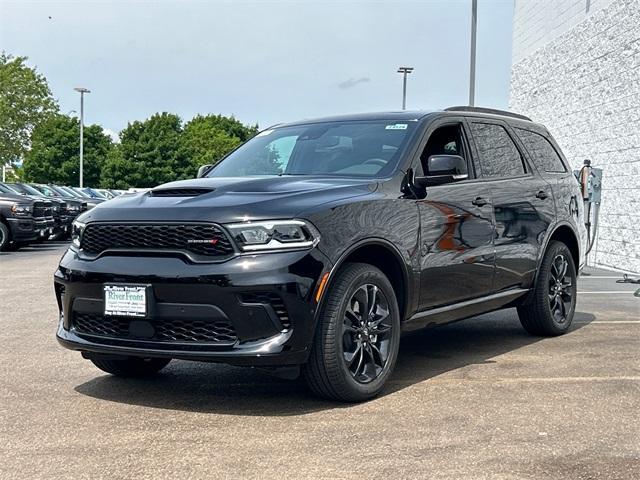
{"points": [[474, 399]]}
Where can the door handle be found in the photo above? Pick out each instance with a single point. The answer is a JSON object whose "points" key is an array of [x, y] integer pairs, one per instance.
{"points": [[542, 195], [479, 202]]}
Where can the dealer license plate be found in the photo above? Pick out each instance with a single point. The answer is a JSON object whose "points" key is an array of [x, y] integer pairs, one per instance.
{"points": [[125, 300]]}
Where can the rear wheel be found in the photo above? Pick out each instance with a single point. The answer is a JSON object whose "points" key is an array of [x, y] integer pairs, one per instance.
{"points": [[5, 237], [131, 366], [356, 344], [551, 309]]}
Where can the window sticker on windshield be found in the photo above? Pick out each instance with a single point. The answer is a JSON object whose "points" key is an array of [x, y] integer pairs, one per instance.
{"points": [[264, 133], [396, 126]]}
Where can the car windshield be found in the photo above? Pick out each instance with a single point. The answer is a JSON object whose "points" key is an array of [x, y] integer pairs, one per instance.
{"points": [[48, 190], [349, 148], [94, 193], [27, 189], [70, 192], [78, 192], [6, 189]]}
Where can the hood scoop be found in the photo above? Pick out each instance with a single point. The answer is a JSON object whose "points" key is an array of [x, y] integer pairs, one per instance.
{"points": [[180, 192]]}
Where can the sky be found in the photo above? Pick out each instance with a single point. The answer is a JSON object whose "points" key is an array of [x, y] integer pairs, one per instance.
{"points": [[264, 61]]}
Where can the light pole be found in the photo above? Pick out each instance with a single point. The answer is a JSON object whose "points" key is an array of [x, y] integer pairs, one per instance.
{"points": [[82, 92], [404, 71], [472, 64]]}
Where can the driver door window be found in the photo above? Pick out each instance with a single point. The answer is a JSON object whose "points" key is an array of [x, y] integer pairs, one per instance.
{"points": [[446, 140]]}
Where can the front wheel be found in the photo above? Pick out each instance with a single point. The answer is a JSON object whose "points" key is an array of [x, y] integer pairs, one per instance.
{"points": [[131, 366], [5, 237], [356, 344], [553, 304]]}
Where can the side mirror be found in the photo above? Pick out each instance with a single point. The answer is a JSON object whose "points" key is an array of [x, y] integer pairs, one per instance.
{"points": [[203, 170], [443, 169]]}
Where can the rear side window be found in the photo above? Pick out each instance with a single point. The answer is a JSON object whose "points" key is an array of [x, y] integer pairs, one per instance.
{"points": [[499, 156], [544, 156]]}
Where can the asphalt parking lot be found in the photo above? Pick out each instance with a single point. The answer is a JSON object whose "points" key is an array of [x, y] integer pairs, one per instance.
{"points": [[475, 399]]}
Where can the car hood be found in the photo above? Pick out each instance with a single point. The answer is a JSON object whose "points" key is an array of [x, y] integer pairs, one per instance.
{"points": [[227, 200], [10, 197]]}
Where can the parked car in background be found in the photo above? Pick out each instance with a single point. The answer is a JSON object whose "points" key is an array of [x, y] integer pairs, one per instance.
{"points": [[90, 201], [17, 225], [44, 213], [108, 194], [68, 208], [60, 192], [91, 192], [311, 247]]}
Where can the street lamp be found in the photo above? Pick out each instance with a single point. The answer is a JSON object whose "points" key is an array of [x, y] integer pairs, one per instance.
{"points": [[404, 71], [82, 92], [472, 62]]}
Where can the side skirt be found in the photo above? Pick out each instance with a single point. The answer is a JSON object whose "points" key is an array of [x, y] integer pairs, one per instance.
{"points": [[462, 310]]}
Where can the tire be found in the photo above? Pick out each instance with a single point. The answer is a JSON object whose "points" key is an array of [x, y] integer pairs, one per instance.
{"points": [[553, 302], [342, 365], [131, 366], [5, 237]]}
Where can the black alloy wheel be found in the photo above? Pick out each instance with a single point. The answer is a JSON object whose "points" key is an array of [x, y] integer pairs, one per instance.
{"points": [[560, 289], [358, 336], [549, 309], [367, 329]]}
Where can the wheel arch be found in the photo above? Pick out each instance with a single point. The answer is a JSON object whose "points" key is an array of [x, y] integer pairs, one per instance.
{"points": [[5, 223], [381, 254], [565, 234]]}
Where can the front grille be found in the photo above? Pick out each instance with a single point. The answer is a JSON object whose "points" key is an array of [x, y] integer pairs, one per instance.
{"points": [[200, 239], [39, 210], [171, 330], [271, 299]]}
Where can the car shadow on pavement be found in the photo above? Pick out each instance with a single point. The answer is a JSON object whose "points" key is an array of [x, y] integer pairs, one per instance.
{"points": [[222, 389], [49, 246]]}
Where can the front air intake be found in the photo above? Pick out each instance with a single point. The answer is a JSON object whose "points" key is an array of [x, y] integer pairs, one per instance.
{"points": [[180, 192]]}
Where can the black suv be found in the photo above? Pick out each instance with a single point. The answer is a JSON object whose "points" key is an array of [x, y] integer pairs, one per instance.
{"points": [[315, 244]]}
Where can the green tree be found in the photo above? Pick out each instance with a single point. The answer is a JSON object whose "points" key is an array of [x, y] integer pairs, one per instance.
{"points": [[116, 172], [54, 154], [150, 153], [209, 138], [25, 102]]}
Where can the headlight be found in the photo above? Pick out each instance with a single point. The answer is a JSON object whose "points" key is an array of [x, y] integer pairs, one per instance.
{"points": [[20, 210], [72, 208], [274, 235], [76, 232]]}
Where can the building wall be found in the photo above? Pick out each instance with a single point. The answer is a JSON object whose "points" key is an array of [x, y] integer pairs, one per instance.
{"points": [[537, 22], [582, 80]]}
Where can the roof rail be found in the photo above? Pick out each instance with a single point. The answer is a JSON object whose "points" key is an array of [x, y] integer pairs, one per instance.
{"points": [[492, 111]]}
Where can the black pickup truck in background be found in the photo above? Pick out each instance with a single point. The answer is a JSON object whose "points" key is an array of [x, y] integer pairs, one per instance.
{"points": [[64, 210], [17, 224]]}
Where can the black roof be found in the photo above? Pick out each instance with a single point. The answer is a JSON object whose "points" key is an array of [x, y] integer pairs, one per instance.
{"points": [[490, 111], [402, 115], [410, 115]]}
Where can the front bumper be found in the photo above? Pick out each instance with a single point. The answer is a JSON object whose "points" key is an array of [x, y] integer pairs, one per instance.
{"points": [[23, 229], [266, 299], [44, 227]]}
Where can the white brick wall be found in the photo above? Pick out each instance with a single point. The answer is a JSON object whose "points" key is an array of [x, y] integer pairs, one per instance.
{"points": [[581, 78], [538, 22]]}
